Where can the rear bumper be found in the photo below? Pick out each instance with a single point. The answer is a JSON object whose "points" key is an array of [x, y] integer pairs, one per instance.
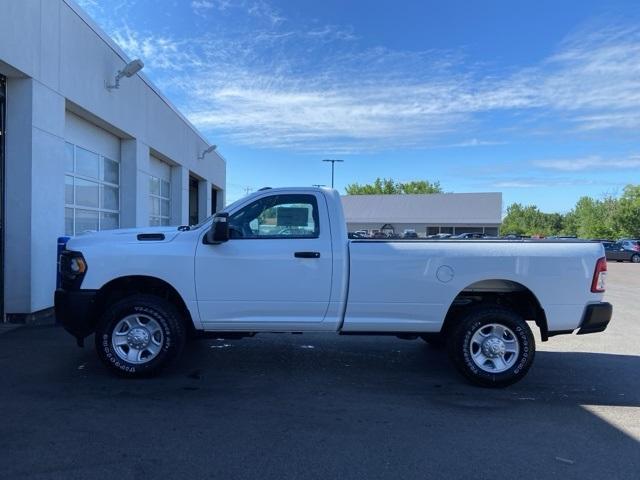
{"points": [[596, 317], [73, 310]]}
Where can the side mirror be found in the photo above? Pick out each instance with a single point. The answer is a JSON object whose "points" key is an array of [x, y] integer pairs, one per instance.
{"points": [[219, 232]]}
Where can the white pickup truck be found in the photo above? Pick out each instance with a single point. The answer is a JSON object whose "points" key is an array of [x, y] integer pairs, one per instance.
{"points": [[279, 260]]}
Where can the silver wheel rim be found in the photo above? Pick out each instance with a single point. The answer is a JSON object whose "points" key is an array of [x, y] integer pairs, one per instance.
{"points": [[137, 339], [635, 259], [494, 348]]}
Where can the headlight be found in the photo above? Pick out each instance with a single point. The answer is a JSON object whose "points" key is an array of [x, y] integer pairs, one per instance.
{"points": [[77, 265], [72, 267]]}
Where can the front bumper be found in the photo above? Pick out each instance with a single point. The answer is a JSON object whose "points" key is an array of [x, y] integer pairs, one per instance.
{"points": [[74, 311], [596, 317]]}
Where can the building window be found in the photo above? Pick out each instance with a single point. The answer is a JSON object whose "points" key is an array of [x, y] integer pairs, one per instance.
{"points": [[194, 214], [461, 230], [160, 198], [92, 191]]}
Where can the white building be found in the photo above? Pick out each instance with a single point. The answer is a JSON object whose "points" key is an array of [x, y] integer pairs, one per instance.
{"points": [[77, 156], [453, 213]]}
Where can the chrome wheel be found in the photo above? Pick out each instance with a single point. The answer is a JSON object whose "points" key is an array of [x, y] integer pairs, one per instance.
{"points": [[494, 348], [137, 339], [635, 258]]}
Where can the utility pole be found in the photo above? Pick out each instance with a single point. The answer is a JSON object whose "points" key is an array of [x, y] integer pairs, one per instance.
{"points": [[333, 163], [248, 190]]}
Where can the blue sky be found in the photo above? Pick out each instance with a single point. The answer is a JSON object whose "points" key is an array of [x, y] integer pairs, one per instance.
{"points": [[539, 100]]}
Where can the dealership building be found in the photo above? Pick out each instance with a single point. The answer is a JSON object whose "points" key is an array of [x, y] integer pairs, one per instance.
{"points": [[78, 154], [452, 213]]}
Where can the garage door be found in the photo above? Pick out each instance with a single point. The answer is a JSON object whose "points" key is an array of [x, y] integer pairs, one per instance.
{"points": [[159, 192], [92, 180]]}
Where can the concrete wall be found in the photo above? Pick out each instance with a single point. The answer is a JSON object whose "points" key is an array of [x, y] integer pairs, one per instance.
{"points": [[56, 61]]}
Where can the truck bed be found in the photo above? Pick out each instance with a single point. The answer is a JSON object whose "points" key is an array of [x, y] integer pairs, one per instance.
{"points": [[409, 285]]}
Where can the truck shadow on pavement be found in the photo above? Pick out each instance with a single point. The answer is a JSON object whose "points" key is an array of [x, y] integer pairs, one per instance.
{"points": [[354, 407]]}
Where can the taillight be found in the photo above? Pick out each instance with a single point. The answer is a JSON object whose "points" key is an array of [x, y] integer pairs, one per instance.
{"points": [[599, 276], [636, 247]]}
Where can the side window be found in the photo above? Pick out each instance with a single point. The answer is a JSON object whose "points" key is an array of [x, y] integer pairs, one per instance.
{"points": [[277, 216]]}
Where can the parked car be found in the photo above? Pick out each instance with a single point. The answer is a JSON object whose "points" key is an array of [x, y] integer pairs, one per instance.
{"points": [[409, 234], [625, 250], [514, 236], [143, 291], [469, 236], [379, 235], [562, 237]]}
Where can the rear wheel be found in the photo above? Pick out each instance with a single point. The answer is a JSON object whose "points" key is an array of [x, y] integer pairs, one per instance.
{"points": [[635, 258], [492, 346], [139, 335]]}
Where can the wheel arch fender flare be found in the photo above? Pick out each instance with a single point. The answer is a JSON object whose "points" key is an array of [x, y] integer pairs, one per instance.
{"points": [[511, 293], [133, 284]]}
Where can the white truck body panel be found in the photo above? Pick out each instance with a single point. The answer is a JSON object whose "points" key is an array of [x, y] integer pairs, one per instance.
{"points": [[354, 286], [115, 254], [409, 286], [243, 283]]}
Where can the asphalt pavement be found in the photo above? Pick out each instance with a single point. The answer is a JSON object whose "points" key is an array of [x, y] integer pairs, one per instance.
{"points": [[324, 406]]}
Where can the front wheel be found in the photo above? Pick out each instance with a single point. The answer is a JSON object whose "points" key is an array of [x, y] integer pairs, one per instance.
{"points": [[492, 346], [139, 335], [635, 258]]}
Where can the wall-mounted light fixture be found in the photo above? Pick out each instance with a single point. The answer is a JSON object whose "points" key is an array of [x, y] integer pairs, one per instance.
{"points": [[208, 150], [129, 70]]}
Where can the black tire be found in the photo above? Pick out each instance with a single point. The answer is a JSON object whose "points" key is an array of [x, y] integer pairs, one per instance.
{"points": [[434, 340], [460, 348], [151, 308], [635, 258]]}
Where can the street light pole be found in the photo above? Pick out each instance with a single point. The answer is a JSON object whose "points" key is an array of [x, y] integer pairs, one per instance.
{"points": [[333, 163]]}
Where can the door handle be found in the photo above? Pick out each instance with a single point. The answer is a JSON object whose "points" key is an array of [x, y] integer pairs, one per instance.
{"points": [[307, 254]]}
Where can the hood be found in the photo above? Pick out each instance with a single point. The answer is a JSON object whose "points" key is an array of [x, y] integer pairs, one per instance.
{"points": [[124, 235]]}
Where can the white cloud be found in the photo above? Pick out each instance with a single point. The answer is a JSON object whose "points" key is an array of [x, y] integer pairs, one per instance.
{"points": [[158, 52], [255, 8], [272, 86], [473, 142], [589, 163], [199, 5], [92, 7], [517, 184], [546, 182]]}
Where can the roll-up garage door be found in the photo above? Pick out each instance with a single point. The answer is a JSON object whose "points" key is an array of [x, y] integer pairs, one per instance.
{"points": [[92, 177], [159, 192]]}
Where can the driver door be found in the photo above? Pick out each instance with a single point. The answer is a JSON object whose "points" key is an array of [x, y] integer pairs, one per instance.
{"points": [[274, 271]]}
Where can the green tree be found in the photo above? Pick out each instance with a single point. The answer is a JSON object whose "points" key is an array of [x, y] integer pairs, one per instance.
{"points": [[388, 186], [570, 224], [529, 220], [595, 218], [626, 218]]}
